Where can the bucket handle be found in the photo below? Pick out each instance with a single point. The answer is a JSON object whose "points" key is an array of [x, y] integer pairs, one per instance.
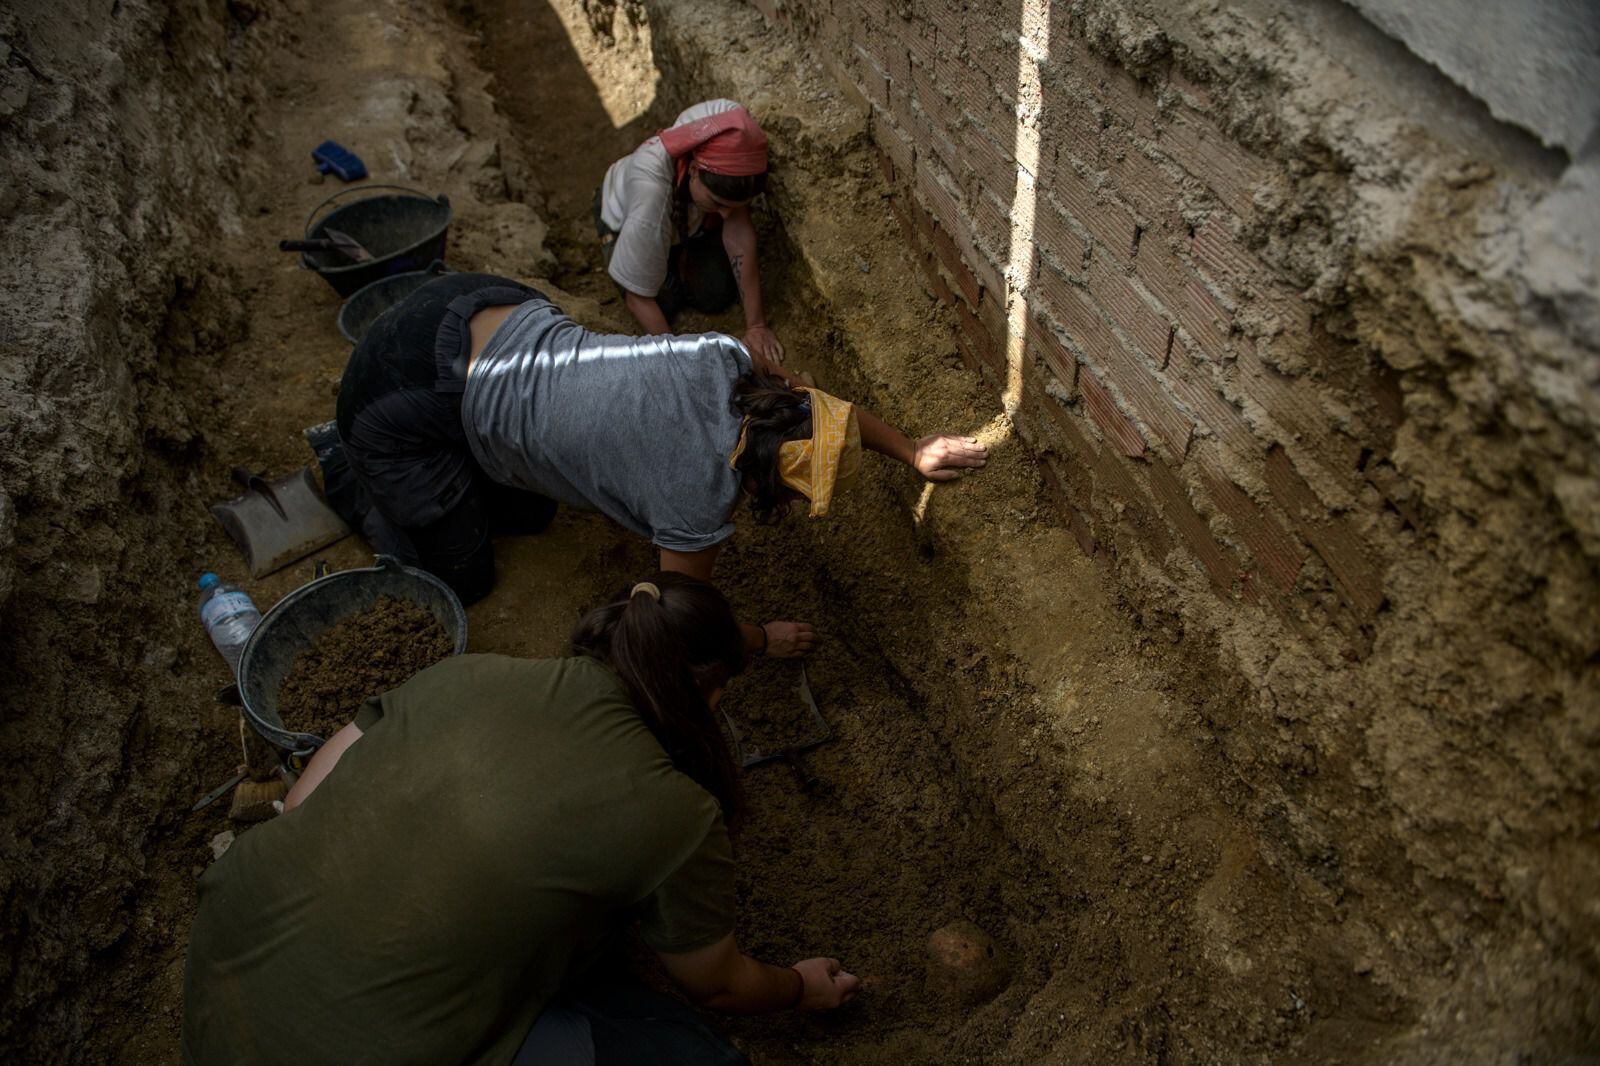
{"points": [[418, 193]]}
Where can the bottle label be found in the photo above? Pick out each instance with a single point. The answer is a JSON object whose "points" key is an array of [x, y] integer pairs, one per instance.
{"points": [[225, 605]]}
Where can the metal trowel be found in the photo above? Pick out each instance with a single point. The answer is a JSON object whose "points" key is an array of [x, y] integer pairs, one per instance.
{"points": [[335, 241], [277, 522], [748, 755]]}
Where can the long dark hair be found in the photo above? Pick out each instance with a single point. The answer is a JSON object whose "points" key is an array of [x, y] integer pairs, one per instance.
{"points": [[740, 189], [671, 654], [775, 413]]}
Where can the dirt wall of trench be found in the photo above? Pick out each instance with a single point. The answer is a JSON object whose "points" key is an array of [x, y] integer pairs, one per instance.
{"points": [[118, 124], [151, 337], [1303, 346]]}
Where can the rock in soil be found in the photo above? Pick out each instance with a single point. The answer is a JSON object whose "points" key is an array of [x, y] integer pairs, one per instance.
{"points": [[221, 843], [364, 655], [964, 965]]}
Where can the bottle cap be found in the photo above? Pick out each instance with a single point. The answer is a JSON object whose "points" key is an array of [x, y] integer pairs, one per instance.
{"points": [[208, 580]]}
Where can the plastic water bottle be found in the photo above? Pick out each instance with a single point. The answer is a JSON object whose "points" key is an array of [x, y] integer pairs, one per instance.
{"points": [[229, 616]]}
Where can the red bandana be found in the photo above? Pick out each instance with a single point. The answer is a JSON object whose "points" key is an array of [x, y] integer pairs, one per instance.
{"points": [[728, 142]]}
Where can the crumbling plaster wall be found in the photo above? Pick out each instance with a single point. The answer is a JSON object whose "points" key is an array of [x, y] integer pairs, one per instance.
{"points": [[1534, 63], [1307, 342]]}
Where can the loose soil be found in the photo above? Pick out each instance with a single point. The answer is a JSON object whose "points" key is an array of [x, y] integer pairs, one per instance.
{"points": [[766, 708], [895, 842], [364, 655]]}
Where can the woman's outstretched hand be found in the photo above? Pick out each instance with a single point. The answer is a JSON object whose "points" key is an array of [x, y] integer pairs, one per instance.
{"points": [[942, 456], [826, 984], [789, 640], [764, 345]]}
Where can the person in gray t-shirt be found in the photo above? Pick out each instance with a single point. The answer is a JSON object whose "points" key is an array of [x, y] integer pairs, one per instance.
{"points": [[663, 434]]}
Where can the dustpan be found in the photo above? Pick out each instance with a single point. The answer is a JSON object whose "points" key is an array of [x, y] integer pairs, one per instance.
{"points": [[279, 521], [747, 755]]}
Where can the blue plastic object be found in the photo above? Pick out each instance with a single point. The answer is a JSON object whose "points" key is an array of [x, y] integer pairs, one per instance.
{"points": [[334, 158]]}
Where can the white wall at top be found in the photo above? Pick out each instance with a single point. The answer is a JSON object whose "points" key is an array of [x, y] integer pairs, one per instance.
{"points": [[1535, 63]]}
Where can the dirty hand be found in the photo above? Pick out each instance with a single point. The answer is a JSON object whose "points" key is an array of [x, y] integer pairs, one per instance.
{"points": [[764, 345], [941, 456], [789, 640], [826, 985]]}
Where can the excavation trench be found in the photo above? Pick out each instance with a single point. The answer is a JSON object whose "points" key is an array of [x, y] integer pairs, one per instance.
{"points": [[896, 840], [1010, 749], [1088, 835]]}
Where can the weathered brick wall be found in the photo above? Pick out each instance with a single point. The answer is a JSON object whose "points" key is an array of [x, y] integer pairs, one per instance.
{"points": [[1306, 345], [1084, 226]]}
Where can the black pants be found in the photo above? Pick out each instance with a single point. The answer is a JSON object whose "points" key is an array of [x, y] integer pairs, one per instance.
{"points": [[457, 548], [698, 272], [616, 1021], [418, 494]]}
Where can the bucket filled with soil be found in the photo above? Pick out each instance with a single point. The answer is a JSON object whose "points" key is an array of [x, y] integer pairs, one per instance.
{"points": [[330, 644]]}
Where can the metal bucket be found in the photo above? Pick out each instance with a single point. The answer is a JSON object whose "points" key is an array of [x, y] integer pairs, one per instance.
{"points": [[403, 232], [309, 611], [363, 309]]}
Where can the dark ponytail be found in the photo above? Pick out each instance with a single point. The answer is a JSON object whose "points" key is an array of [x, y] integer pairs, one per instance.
{"points": [[774, 413], [673, 647]]}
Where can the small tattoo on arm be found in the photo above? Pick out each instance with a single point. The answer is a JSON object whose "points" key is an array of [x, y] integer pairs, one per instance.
{"points": [[738, 272]]}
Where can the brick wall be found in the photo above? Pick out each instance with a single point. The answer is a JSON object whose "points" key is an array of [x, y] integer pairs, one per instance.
{"points": [[1084, 228], [1304, 349]]}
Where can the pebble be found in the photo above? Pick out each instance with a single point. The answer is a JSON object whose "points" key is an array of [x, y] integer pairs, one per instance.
{"points": [[85, 585], [160, 657], [221, 843]]}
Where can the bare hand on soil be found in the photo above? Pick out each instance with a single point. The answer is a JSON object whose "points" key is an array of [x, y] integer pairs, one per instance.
{"points": [[942, 456], [827, 985], [789, 640]]}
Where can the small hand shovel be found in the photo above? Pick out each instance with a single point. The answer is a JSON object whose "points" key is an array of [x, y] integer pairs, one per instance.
{"points": [[794, 753], [276, 522]]}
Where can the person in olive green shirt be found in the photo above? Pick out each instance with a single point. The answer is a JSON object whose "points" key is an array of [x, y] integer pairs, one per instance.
{"points": [[453, 861]]}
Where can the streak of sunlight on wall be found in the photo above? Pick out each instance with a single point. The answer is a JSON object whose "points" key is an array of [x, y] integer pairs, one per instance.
{"points": [[1019, 257], [1019, 260]]}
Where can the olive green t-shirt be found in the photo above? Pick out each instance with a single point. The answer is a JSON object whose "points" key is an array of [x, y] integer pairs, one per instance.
{"points": [[497, 819]]}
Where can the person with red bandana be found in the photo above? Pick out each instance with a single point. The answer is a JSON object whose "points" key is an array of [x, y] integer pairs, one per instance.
{"points": [[674, 222]]}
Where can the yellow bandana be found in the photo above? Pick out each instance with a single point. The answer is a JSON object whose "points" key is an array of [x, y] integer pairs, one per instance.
{"points": [[830, 457]]}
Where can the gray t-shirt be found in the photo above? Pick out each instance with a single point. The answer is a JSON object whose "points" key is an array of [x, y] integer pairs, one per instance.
{"points": [[636, 201], [637, 428]]}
